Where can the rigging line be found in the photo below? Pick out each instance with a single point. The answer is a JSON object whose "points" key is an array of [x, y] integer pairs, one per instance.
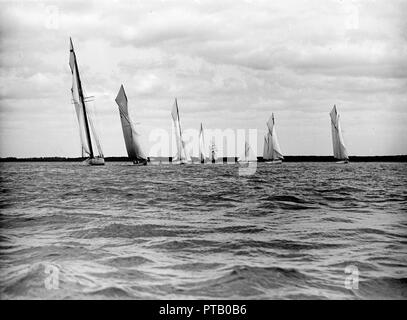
{"points": [[179, 121], [334, 125]]}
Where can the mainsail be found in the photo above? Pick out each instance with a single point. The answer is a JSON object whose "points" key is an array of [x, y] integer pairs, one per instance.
{"points": [[131, 136], [337, 138], [181, 153], [86, 127], [273, 150], [202, 155], [266, 147]]}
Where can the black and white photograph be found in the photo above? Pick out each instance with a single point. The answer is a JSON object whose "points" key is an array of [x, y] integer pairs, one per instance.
{"points": [[228, 150]]}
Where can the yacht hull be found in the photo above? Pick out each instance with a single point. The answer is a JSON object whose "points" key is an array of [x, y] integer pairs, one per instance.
{"points": [[95, 161], [140, 163], [274, 162]]}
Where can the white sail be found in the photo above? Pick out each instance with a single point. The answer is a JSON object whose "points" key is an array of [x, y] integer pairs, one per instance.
{"points": [[93, 130], [79, 108], [274, 150], [266, 147], [202, 155], [338, 143], [270, 146], [131, 136], [181, 153], [87, 130]]}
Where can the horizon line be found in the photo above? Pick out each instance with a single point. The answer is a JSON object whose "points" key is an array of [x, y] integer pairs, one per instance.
{"points": [[287, 158]]}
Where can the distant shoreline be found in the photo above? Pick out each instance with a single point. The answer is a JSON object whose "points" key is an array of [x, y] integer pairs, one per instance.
{"points": [[396, 158]]}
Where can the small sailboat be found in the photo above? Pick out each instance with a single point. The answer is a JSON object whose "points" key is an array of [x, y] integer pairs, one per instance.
{"points": [[248, 154], [181, 156], [271, 150], [338, 144], [202, 155], [131, 136], [87, 130], [212, 151]]}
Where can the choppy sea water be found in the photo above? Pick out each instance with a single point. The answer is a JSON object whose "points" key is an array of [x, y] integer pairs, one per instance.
{"points": [[290, 231]]}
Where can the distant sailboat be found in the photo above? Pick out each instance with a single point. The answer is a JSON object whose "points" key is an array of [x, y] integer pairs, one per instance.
{"points": [[131, 136], [181, 157], [272, 151], [86, 128], [338, 144], [249, 156], [212, 151], [202, 155]]}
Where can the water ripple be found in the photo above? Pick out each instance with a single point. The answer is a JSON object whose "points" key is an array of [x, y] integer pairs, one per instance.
{"points": [[126, 232]]}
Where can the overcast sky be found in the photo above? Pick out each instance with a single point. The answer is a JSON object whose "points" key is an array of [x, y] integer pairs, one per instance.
{"points": [[230, 63]]}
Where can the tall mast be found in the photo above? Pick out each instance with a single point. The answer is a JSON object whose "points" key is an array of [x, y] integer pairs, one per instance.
{"points": [[80, 91], [180, 134], [213, 149], [201, 143], [179, 121]]}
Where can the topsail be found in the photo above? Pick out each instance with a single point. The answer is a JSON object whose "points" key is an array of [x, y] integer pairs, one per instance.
{"points": [[338, 144], [87, 128], [181, 153], [131, 136]]}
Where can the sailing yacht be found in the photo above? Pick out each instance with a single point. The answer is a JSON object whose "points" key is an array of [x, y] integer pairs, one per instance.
{"points": [[131, 136], [212, 151], [338, 144], [202, 155], [271, 150], [181, 156], [87, 130]]}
